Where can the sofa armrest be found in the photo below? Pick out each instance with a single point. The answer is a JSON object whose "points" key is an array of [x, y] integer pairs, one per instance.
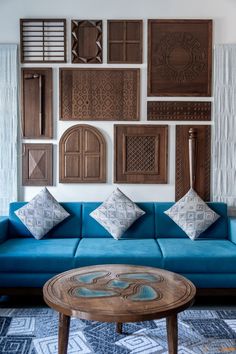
{"points": [[232, 229], [3, 228]]}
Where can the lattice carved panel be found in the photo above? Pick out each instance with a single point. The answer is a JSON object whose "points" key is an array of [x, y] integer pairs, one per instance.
{"points": [[37, 165], [82, 155], [176, 110], [141, 153], [99, 94], [179, 57], [86, 41], [202, 163]]}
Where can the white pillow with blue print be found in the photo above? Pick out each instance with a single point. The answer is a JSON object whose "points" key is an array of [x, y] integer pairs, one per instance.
{"points": [[192, 214]]}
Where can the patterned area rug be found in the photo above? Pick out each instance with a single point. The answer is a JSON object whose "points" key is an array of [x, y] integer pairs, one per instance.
{"points": [[34, 331]]}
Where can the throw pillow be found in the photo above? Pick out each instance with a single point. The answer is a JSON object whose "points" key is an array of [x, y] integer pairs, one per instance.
{"points": [[41, 214], [192, 214], [117, 213]]}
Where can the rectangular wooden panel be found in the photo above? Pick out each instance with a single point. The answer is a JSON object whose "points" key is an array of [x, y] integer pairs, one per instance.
{"points": [[99, 94], [86, 41], [140, 153], [179, 57], [43, 40], [37, 165], [125, 41], [203, 161], [36, 103], [176, 110]]}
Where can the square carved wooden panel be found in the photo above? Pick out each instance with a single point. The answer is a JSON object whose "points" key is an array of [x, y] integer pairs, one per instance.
{"points": [[202, 160], [177, 110], [99, 94], [86, 41], [36, 103], [179, 57], [125, 41], [37, 165], [141, 153]]}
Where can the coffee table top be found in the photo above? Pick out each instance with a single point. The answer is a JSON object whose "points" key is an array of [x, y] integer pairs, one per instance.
{"points": [[119, 293]]}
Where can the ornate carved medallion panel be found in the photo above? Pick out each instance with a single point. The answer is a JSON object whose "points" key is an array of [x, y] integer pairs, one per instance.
{"points": [[86, 41], [141, 154], [202, 134], [99, 94], [37, 165], [125, 41], [176, 110], [179, 57], [82, 155]]}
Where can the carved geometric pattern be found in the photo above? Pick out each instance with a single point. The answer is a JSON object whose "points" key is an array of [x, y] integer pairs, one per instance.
{"points": [[180, 57], [167, 110], [82, 155], [86, 41], [37, 165], [203, 161], [141, 153], [99, 94], [124, 41]]}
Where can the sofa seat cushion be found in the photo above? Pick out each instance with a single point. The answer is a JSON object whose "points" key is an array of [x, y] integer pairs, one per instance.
{"points": [[200, 256], [107, 250], [30, 255]]}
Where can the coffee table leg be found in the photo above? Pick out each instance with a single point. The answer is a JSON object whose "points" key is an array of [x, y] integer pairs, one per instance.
{"points": [[172, 333], [63, 335], [119, 327]]}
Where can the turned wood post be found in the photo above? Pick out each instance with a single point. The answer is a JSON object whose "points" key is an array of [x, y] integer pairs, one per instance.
{"points": [[192, 145]]}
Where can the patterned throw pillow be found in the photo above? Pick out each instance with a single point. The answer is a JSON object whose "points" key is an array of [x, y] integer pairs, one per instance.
{"points": [[192, 214], [41, 214], [117, 213]]}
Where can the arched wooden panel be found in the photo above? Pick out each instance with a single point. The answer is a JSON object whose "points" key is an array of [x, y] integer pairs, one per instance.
{"points": [[82, 155]]}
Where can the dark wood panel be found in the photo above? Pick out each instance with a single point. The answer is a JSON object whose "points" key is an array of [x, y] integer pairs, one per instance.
{"points": [[140, 154], [202, 162], [37, 165], [179, 57], [36, 103], [43, 40], [82, 155], [125, 41], [86, 41], [99, 94], [176, 110]]}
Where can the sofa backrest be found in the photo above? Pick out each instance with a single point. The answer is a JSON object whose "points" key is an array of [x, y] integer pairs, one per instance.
{"points": [[144, 227], [70, 227], [166, 227]]}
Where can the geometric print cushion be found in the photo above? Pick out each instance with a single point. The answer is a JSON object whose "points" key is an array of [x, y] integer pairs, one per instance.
{"points": [[117, 213], [192, 214], [41, 214]]}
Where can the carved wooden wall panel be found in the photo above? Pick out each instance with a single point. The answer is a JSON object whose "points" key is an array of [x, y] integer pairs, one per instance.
{"points": [[82, 155], [179, 57], [37, 165], [36, 103], [43, 40], [86, 41], [99, 94], [141, 153], [203, 159], [125, 41], [176, 110]]}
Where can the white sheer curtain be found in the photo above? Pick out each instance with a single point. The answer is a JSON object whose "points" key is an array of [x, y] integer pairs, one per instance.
{"points": [[224, 130], [8, 125]]}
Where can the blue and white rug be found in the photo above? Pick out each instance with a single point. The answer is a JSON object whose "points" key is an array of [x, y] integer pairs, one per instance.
{"points": [[34, 331]]}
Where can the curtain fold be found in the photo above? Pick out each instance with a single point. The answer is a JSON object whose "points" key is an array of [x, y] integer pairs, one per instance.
{"points": [[8, 125], [224, 129]]}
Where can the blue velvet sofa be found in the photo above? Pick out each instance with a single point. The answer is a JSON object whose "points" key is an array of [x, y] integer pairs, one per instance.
{"points": [[153, 240]]}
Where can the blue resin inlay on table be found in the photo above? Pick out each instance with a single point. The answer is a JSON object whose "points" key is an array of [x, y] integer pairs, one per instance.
{"points": [[139, 276], [144, 293], [88, 278], [120, 284], [85, 292]]}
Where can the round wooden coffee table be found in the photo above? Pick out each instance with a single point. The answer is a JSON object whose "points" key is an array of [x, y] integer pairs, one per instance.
{"points": [[118, 293]]}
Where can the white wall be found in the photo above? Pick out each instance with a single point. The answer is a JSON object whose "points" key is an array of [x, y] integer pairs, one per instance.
{"points": [[221, 11]]}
